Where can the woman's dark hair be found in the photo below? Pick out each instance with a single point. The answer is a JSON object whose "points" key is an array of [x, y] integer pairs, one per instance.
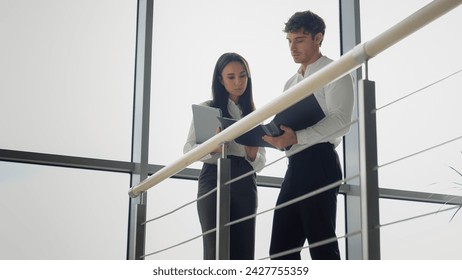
{"points": [[219, 94], [306, 21]]}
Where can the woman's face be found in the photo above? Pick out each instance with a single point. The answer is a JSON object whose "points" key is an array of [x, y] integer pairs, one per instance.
{"points": [[234, 79]]}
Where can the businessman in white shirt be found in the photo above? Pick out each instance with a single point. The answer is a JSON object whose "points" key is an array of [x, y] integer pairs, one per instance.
{"points": [[316, 166]]}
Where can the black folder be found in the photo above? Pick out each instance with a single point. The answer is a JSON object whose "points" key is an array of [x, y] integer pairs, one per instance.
{"points": [[303, 114]]}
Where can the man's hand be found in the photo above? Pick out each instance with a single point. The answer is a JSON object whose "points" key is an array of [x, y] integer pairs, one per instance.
{"points": [[287, 138]]}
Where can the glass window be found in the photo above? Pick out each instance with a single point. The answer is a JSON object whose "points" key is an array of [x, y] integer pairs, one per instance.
{"points": [[54, 213], [432, 237], [430, 115], [66, 77]]}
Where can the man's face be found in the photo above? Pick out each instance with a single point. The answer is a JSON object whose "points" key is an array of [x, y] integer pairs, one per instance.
{"points": [[303, 47]]}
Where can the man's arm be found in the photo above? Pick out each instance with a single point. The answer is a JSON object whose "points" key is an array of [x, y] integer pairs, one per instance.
{"points": [[339, 101]]}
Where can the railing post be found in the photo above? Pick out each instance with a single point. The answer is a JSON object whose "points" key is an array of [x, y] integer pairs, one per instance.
{"points": [[369, 189], [223, 206]]}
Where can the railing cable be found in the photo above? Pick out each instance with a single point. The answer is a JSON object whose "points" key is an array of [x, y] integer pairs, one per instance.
{"points": [[181, 207], [295, 200], [179, 244], [420, 216], [417, 91], [314, 245], [417, 153]]}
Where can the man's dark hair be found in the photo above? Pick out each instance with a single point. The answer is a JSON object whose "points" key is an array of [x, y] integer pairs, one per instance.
{"points": [[306, 21]]}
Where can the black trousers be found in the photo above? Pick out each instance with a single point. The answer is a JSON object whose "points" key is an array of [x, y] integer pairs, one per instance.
{"points": [[243, 203], [314, 218]]}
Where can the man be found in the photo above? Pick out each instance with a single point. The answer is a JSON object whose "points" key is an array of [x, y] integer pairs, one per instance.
{"points": [[313, 219]]}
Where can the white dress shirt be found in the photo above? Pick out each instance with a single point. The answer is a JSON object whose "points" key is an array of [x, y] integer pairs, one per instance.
{"points": [[336, 100]]}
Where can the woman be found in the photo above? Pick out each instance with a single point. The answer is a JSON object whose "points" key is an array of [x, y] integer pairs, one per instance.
{"points": [[232, 93]]}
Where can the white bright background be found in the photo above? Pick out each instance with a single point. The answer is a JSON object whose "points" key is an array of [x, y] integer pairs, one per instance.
{"points": [[66, 87]]}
